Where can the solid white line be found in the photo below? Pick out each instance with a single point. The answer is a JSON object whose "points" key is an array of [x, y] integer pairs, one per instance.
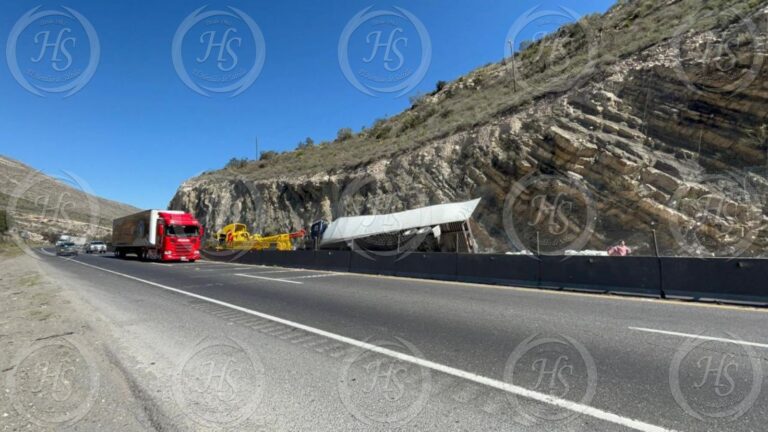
{"points": [[208, 269], [693, 336], [500, 385], [267, 278], [312, 276], [281, 271]]}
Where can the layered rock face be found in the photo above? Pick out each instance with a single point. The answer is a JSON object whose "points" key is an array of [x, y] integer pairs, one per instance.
{"points": [[671, 140]]}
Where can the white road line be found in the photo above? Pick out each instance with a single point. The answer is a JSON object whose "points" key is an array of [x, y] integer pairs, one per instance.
{"points": [[312, 276], [281, 271], [694, 336], [267, 278], [218, 269], [469, 376]]}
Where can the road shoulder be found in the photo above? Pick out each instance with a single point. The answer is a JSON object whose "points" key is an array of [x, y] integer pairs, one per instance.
{"points": [[55, 365]]}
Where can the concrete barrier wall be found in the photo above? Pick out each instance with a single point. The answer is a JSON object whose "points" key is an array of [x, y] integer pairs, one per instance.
{"points": [[372, 264], [732, 280], [428, 266], [498, 269], [631, 275], [332, 260], [727, 280]]}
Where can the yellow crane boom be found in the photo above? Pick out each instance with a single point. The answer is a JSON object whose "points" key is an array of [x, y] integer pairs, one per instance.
{"points": [[236, 237]]}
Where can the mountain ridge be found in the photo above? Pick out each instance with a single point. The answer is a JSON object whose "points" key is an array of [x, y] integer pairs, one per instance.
{"points": [[42, 206]]}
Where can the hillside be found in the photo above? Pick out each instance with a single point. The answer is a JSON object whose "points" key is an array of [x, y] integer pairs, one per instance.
{"points": [[653, 116], [40, 204]]}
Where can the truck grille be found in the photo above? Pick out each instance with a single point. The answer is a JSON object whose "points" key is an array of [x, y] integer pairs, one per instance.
{"points": [[183, 249]]}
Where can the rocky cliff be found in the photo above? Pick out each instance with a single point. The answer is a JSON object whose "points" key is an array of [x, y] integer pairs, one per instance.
{"points": [[661, 132]]}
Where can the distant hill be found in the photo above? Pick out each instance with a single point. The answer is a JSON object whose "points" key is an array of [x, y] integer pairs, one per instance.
{"points": [[39, 204]]}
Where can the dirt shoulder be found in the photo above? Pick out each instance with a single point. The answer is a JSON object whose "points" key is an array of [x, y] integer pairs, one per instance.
{"points": [[55, 369]]}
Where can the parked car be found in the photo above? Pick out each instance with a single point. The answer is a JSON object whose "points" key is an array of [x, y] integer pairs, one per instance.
{"points": [[67, 249], [96, 247]]}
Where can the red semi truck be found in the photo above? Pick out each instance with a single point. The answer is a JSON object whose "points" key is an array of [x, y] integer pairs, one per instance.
{"points": [[163, 235]]}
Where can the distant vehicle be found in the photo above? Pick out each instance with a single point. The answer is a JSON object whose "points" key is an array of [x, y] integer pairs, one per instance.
{"points": [[158, 235], [78, 241], [67, 249], [96, 247]]}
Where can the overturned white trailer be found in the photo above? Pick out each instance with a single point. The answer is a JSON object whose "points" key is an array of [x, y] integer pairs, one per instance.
{"points": [[442, 227]]}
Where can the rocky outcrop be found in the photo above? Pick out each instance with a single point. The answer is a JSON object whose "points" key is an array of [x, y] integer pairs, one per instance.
{"points": [[654, 142]]}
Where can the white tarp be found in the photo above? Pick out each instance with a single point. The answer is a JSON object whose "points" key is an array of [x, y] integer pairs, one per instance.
{"points": [[355, 227]]}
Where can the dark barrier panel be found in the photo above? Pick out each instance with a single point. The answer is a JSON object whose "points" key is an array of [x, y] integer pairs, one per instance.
{"points": [[498, 269], [217, 256], [719, 279], [740, 280], [251, 257], [427, 265], [632, 275], [242, 257], [269, 258], [301, 258], [372, 264], [331, 260], [291, 259]]}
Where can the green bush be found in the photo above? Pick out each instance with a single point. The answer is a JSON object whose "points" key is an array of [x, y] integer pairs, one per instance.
{"points": [[236, 163], [344, 134], [307, 143], [267, 155], [4, 222]]}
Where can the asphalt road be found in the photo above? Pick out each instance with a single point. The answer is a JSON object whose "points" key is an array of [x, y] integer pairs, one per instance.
{"points": [[377, 353]]}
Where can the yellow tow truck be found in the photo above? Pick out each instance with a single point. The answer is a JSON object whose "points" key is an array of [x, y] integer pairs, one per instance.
{"points": [[236, 237]]}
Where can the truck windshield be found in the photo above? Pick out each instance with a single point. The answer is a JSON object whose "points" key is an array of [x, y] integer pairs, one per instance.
{"points": [[183, 231]]}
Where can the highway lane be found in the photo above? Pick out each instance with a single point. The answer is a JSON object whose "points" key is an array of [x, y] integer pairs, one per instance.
{"points": [[589, 350]]}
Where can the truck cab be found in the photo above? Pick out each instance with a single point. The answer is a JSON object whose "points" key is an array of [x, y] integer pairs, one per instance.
{"points": [[179, 236]]}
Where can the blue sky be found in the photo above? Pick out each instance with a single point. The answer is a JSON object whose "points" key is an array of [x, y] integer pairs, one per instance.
{"points": [[135, 130]]}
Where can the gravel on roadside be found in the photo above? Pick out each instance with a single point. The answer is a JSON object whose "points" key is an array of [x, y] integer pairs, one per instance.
{"points": [[55, 371]]}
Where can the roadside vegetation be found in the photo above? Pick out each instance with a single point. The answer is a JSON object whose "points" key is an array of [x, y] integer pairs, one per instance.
{"points": [[569, 57]]}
